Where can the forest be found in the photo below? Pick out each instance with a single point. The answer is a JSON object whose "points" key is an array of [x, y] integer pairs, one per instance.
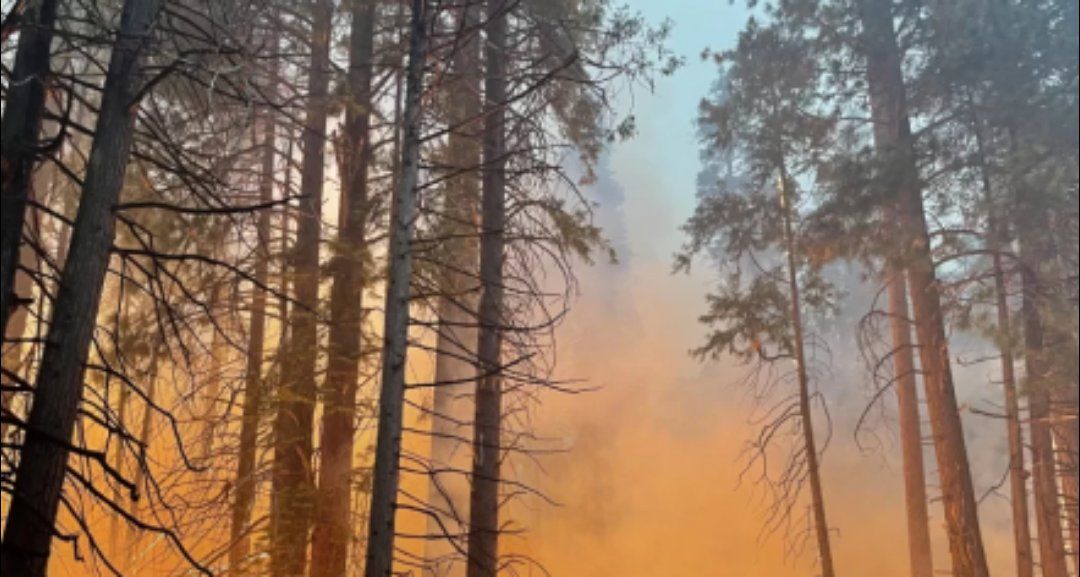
{"points": [[540, 288]]}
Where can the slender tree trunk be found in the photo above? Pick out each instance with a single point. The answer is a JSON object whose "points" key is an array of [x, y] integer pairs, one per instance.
{"points": [[146, 426], [907, 396], [998, 240], [895, 145], [455, 371], [332, 530], [1025, 559], [220, 323], [43, 460], [119, 464], [483, 547], [19, 140], [387, 473], [813, 465], [1067, 433], [1048, 513], [292, 484], [254, 387], [14, 356]]}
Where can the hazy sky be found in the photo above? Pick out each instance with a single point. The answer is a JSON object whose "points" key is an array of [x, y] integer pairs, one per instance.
{"points": [[657, 170], [651, 485]]}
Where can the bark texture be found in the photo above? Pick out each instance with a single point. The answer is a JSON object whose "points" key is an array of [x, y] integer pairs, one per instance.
{"points": [[920, 551], [1018, 475], [387, 474], [1067, 433], [483, 548], [895, 145], [331, 533], [43, 459], [1048, 511], [19, 140], [254, 387], [1018, 492], [292, 482]]}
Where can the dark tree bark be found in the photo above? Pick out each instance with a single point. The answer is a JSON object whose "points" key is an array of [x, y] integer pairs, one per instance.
{"points": [[14, 357], [387, 473], [43, 458], [254, 387], [907, 396], [331, 534], [212, 386], [895, 145], [483, 550], [19, 141], [292, 490], [455, 370]]}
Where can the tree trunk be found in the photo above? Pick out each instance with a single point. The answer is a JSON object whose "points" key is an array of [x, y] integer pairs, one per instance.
{"points": [[332, 530], [19, 140], [907, 396], [1048, 513], [1025, 560], [998, 240], [254, 387], [813, 465], [14, 356], [483, 560], [292, 485], [455, 371], [220, 322], [1067, 433], [895, 145], [43, 459], [387, 473]]}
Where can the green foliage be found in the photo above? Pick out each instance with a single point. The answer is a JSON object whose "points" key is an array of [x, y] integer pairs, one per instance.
{"points": [[761, 126]]}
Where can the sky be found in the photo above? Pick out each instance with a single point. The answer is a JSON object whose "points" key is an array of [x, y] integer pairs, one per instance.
{"points": [[650, 484]]}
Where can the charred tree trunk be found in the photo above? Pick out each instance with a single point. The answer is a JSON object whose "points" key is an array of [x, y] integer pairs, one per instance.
{"points": [[19, 144], [14, 356], [483, 550], [387, 474], [43, 459], [895, 145], [455, 370], [907, 397], [813, 465], [292, 484], [331, 534], [254, 387]]}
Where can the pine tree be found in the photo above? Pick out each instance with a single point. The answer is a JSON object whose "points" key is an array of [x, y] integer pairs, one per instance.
{"points": [[895, 147], [23, 111], [766, 125], [292, 485], [387, 473], [43, 459], [331, 534]]}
